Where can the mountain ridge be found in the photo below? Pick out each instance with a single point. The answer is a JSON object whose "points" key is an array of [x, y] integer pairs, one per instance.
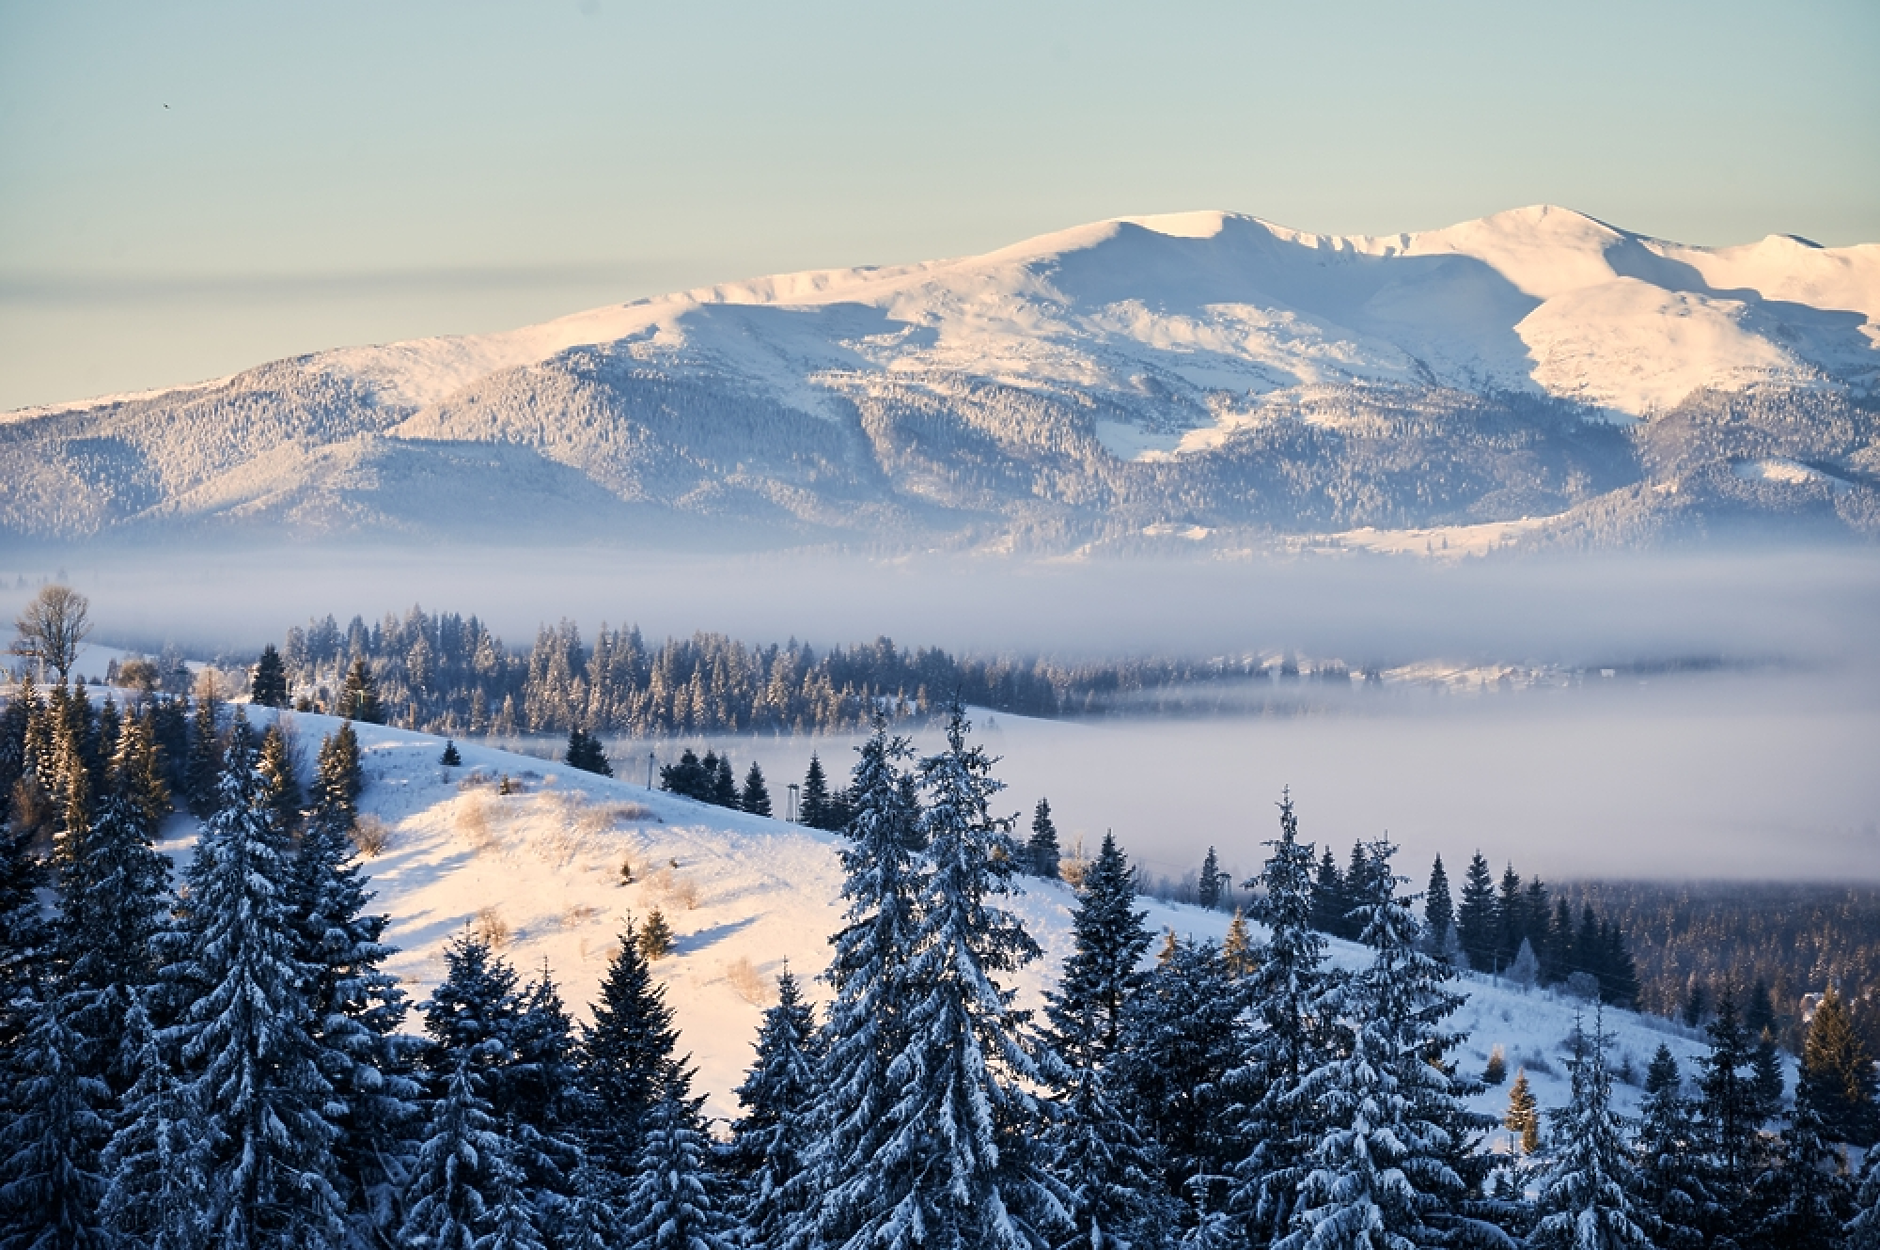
{"points": [[1205, 368]]}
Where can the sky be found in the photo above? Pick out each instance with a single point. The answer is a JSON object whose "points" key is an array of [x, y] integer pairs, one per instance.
{"points": [[188, 189]]}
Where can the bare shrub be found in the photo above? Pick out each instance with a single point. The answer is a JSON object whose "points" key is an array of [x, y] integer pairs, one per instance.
{"points": [[475, 779], [750, 984], [474, 825], [577, 914], [371, 836], [489, 925]]}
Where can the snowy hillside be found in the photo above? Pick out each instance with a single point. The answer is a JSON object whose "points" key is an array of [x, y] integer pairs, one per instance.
{"points": [[538, 872], [1205, 369]]}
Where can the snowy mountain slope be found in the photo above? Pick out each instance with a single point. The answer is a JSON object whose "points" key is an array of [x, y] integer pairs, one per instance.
{"points": [[1135, 371], [539, 869]]}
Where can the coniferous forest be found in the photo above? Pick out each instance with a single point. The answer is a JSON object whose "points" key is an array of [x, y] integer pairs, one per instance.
{"points": [[220, 1059]]}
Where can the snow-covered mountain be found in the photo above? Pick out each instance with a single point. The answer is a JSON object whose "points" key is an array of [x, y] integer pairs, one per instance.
{"points": [[537, 871], [1204, 369]]}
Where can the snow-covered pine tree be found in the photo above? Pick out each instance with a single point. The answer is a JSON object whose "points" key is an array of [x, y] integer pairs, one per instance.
{"points": [[338, 778], [1382, 1173], [359, 698], [771, 1140], [50, 1185], [1042, 853], [953, 1170], [1439, 909], [1329, 901], [1806, 1199], [155, 1194], [1476, 925], [543, 1106], [204, 768], [671, 1205], [1208, 882], [462, 1162], [627, 1056], [24, 935], [1111, 1177], [245, 1038], [356, 1013], [1181, 1037], [1730, 1117], [1863, 1230], [114, 899], [1589, 1188], [813, 807], [865, 1027], [755, 797], [1671, 1183], [1278, 1125]]}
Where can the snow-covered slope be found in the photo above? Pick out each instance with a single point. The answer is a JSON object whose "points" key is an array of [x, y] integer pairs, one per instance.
{"points": [[1023, 378], [539, 870]]}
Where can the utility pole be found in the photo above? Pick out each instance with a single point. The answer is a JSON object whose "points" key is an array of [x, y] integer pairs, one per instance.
{"points": [[650, 757], [791, 817]]}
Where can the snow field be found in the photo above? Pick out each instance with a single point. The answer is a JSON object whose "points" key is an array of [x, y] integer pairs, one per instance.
{"points": [[537, 872]]}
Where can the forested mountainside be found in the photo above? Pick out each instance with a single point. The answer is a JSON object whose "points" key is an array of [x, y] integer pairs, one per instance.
{"points": [[1207, 372]]}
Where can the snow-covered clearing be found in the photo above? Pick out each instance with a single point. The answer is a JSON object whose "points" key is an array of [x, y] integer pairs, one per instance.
{"points": [[538, 872]]}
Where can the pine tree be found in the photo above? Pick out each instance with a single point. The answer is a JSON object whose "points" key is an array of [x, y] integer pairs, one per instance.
{"points": [[1385, 1169], [724, 786], [50, 1187], [628, 1060], [656, 937], [755, 797], [25, 938], [952, 1169], [359, 698], [542, 1105], [1042, 853], [472, 1012], [813, 809], [1511, 921], [1863, 1230], [1806, 1200], [1238, 955], [771, 1140], [356, 1012], [1730, 1113], [268, 687], [1181, 1038], [451, 757], [671, 1205], [1208, 882], [281, 789], [1523, 1114], [866, 1024], [1671, 1183], [1439, 912], [1476, 924], [585, 753], [246, 1038], [1588, 1191], [156, 1192], [1112, 1178], [339, 778], [1329, 901], [460, 1166], [205, 765], [1839, 1074], [1278, 1122]]}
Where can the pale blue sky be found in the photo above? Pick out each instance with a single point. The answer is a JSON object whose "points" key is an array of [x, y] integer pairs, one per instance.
{"points": [[357, 172]]}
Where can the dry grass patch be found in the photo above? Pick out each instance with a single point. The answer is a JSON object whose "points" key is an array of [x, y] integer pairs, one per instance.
{"points": [[576, 914], [474, 824], [371, 836], [749, 984], [488, 924]]}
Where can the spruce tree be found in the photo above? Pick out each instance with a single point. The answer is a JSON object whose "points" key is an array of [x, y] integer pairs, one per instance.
{"points": [[246, 1037], [584, 753], [281, 788], [1111, 1177], [1511, 920], [953, 1158], [1523, 1115], [656, 937], [671, 1205], [1476, 925], [543, 1105], [1384, 1171], [1277, 1122], [460, 1167], [1863, 1230], [1839, 1074], [755, 797], [724, 786], [1671, 1183], [339, 778], [866, 1024], [1208, 882], [451, 757], [155, 1191], [1806, 1200], [1329, 902], [205, 764], [627, 1055], [268, 686], [1042, 854], [813, 807], [1589, 1189], [357, 1012], [1730, 1114], [25, 938], [472, 1013], [1439, 911], [359, 698], [50, 1186], [771, 1140], [1238, 954]]}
